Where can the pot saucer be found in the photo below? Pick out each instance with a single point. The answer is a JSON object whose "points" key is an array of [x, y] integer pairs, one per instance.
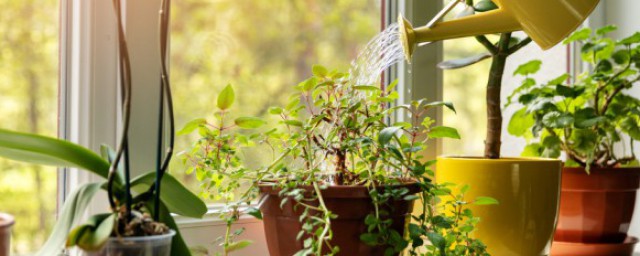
{"points": [[625, 248]]}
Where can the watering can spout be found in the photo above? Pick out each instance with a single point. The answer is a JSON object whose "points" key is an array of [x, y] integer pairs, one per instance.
{"points": [[547, 22]]}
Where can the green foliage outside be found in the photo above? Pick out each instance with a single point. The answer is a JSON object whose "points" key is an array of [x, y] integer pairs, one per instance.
{"points": [[28, 102], [588, 116], [263, 47]]}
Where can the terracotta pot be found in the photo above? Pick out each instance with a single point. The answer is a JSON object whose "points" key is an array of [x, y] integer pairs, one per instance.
{"points": [[6, 222], [597, 208], [528, 190], [351, 203]]}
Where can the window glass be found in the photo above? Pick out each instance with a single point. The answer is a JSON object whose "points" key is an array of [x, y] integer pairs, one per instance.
{"points": [[263, 48], [28, 102]]}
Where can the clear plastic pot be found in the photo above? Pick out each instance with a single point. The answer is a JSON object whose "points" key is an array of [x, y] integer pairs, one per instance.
{"points": [[137, 246]]}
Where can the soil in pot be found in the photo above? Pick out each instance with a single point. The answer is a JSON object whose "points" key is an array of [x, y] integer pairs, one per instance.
{"points": [[597, 207], [6, 222], [351, 203]]}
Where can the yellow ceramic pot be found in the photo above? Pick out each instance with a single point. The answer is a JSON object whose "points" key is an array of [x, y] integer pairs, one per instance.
{"points": [[528, 190]]}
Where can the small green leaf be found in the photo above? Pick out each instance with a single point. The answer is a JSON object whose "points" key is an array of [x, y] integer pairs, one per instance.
{"points": [[447, 104], [319, 71], [192, 126], [275, 110], [237, 245], [255, 212], [293, 123], [557, 120], [485, 6], [582, 34], [483, 200], [633, 39], [528, 68], [387, 134], [226, 98], [606, 29], [369, 239], [248, 122], [437, 240], [520, 123], [532, 150], [366, 88], [586, 118], [443, 132], [461, 63]]}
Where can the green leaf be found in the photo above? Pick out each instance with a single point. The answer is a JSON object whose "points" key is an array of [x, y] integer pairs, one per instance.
{"points": [[437, 240], [630, 126], [387, 134], [38, 149], [94, 234], [249, 122], [584, 140], [582, 34], [369, 239], [633, 39], [238, 245], [606, 29], [443, 132], [173, 194], [366, 88], [178, 245], [485, 6], [483, 200], [557, 120], [461, 63], [528, 68], [586, 118], [108, 153], [226, 98], [569, 92], [293, 123], [255, 212], [520, 123], [447, 104], [532, 150], [191, 126], [72, 210], [319, 71]]}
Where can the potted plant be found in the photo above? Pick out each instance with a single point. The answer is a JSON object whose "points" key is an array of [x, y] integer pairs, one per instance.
{"points": [[527, 188], [140, 220], [342, 180], [6, 222], [593, 121]]}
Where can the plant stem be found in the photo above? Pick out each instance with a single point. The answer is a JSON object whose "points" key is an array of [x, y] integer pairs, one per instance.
{"points": [[494, 108]]}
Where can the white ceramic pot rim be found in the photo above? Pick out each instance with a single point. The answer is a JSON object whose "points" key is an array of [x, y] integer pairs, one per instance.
{"points": [[6, 220], [145, 238]]}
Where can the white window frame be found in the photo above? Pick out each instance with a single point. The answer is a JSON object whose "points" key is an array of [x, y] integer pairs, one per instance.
{"points": [[89, 103]]}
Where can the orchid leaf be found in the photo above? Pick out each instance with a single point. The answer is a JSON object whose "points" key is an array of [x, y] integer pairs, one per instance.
{"points": [[176, 196]]}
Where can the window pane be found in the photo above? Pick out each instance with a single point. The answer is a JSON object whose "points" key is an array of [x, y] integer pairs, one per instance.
{"points": [[28, 102], [263, 48]]}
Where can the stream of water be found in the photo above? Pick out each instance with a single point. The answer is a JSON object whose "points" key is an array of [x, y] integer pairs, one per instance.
{"points": [[384, 50]]}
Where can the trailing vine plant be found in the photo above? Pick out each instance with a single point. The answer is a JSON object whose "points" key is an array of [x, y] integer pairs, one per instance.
{"points": [[333, 132]]}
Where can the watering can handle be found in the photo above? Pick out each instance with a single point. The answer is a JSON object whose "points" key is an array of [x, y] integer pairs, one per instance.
{"points": [[495, 21]]}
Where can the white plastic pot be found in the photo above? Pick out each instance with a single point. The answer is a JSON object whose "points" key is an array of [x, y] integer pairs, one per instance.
{"points": [[159, 245]]}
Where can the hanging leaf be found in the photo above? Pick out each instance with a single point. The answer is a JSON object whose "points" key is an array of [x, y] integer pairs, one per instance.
{"points": [[226, 98], [43, 150], [528, 68], [237, 245], [461, 63], [447, 104]]}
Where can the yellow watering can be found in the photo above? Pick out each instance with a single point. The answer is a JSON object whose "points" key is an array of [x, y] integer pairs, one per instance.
{"points": [[547, 22]]}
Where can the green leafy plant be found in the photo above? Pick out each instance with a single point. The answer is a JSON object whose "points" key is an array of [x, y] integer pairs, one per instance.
{"points": [[138, 206], [587, 117], [334, 132], [498, 51]]}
